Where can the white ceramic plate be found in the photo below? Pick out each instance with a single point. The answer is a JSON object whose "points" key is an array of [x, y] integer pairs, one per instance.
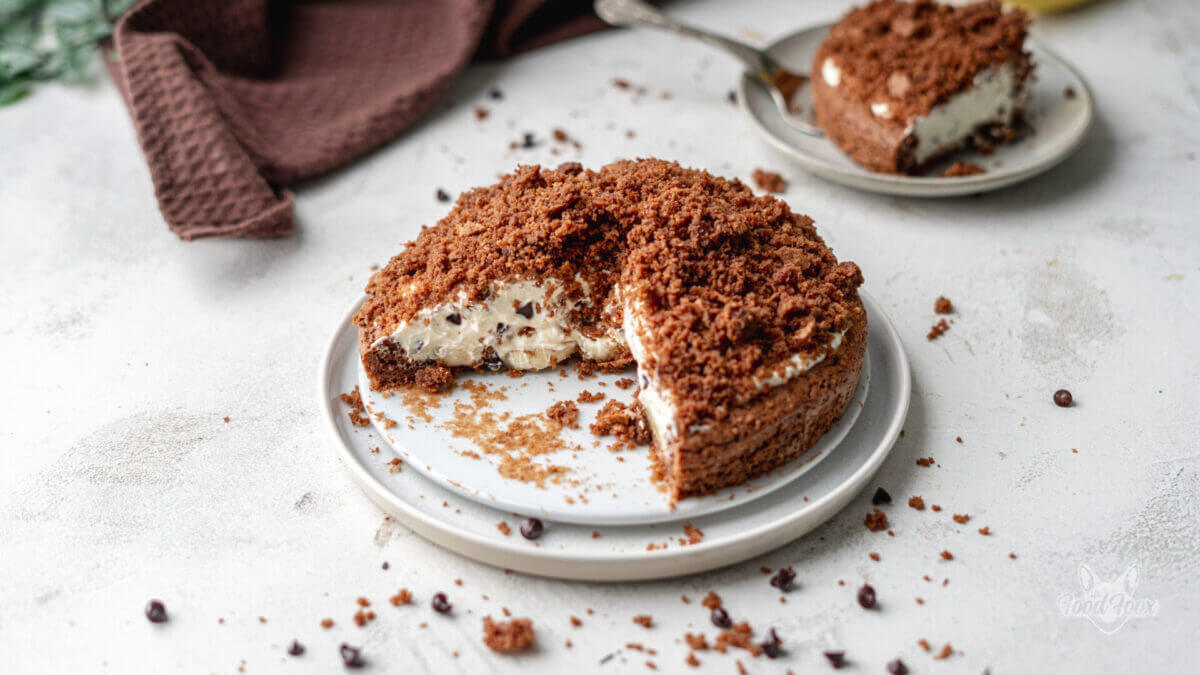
{"points": [[1059, 124], [620, 553], [601, 487]]}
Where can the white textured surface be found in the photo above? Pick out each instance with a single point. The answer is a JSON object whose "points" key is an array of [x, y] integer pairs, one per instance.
{"points": [[124, 347]]}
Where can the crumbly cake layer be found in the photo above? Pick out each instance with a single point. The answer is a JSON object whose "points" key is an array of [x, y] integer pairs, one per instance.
{"points": [[893, 78], [732, 297], [776, 429]]}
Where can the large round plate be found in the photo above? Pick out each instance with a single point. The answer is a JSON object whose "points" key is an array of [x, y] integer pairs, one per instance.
{"points": [[601, 487], [630, 552], [1060, 124]]}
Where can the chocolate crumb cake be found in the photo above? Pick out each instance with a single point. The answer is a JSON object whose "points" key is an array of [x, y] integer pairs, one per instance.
{"points": [[747, 332], [898, 85]]}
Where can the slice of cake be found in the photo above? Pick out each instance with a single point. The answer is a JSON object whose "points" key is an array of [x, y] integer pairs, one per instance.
{"points": [[898, 85], [747, 332]]}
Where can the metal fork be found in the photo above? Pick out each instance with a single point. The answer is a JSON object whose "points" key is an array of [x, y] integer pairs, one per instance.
{"points": [[758, 63]]}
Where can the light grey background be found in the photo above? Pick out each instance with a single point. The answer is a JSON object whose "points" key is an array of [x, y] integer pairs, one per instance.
{"points": [[123, 349]]}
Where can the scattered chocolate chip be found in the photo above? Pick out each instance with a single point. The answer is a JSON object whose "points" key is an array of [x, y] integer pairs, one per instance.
{"points": [[771, 645], [1069, 92], [442, 195], [526, 310], [527, 141], [351, 656], [732, 96], [492, 362], [156, 612], [455, 319], [720, 618], [296, 649], [881, 496], [496, 94], [897, 667], [385, 565], [836, 659], [783, 579], [866, 596], [1062, 398], [532, 528], [440, 603]]}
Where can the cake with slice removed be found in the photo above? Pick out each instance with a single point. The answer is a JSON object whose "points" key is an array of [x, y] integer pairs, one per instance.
{"points": [[748, 334], [899, 85]]}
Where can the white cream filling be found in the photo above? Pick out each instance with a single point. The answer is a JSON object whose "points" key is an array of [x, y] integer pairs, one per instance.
{"points": [[798, 363], [830, 72], [457, 333], [994, 96], [881, 109]]}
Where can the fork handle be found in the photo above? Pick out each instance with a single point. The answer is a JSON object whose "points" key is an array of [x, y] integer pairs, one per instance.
{"points": [[638, 13]]}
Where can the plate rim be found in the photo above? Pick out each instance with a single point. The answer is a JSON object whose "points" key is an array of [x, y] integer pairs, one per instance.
{"points": [[663, 564], [909, 186]]}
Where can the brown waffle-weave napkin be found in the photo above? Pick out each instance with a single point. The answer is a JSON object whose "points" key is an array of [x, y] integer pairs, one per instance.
{"points": [[235, 99]]}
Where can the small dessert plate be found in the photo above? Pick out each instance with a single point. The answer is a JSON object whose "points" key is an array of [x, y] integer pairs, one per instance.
{"points": [[488, 441], [1060, 123], [475, 529]]}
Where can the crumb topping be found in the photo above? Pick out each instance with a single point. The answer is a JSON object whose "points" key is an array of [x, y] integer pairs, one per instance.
{"points": [[732, 283], [914, 55]]}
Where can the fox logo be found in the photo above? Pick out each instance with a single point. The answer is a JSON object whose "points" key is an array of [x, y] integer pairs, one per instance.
{"points": [[1107, 604]]}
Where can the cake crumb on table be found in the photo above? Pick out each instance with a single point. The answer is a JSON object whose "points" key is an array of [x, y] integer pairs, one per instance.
{"points": [[917, 503], [402, 597], [876, 521], [938, 330], [643, 620], [943, 305], [504, 528], [508, 636], [769, 181]]}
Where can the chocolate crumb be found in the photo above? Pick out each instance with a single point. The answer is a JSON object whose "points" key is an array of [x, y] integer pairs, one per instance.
{"points": [[935, 507], [442, 195], [1069, 92], [496, 94], [351, 656], [881, 496], [866, 596], [961, 518], [481, 112], [943, 305], [783, 579], [923, 644], [836, 659], [986, 530], [326, 623], [720, 618], [712, 600], [873, 556], [947, 650], [897, 667], [156, 611], [296, 649], [925, 461], [440, 603], [504, 528], [643, 620], [946, 555], [532, 528], [576, 621], [917, 503], [771, 647]]}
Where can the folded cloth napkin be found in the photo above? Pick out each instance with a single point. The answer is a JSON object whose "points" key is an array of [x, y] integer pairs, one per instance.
{"points": [[235, 99]]}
